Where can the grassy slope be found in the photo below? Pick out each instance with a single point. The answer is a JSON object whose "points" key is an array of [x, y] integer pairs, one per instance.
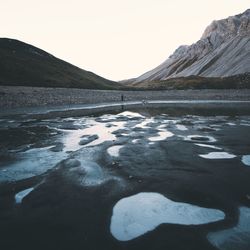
{"points": [[196, 82], [26, 65]]}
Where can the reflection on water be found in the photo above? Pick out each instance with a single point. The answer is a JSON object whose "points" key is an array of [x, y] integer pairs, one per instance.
{"points": [[73, 138]]}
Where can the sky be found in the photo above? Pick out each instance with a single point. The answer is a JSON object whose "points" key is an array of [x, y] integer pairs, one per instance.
{"points": [[117, 39]]}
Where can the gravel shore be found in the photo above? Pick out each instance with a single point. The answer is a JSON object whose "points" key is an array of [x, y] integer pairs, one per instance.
{"points": [[15, 97]]}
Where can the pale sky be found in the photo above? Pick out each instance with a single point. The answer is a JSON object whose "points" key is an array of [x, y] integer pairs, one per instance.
{"points": [[117, 39]]}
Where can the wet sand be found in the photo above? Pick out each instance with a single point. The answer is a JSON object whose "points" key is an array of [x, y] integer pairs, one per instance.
{"points": [[16, 97]]}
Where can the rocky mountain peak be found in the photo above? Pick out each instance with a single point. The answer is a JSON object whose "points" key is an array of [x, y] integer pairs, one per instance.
{"points": [[215, 34], [221, 30], [223, 50]]}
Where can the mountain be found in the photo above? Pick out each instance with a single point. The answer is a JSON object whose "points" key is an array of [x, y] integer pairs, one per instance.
{"points": [[241, 81], [222, 51], [25, 65]]}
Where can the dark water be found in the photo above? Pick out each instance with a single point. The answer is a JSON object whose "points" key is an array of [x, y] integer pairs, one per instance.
{"points": [[151, 177]]}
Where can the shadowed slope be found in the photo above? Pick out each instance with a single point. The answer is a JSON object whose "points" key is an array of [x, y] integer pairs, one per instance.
{"points": [[22, 64]]}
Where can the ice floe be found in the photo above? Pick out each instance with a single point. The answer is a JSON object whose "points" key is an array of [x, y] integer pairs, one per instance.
{"points": [[237, 237], [114, 150], [138, 214], [218, 155], [246, 160], [19, 196]]}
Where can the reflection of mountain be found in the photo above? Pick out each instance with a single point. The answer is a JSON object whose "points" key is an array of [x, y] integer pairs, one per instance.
{"points": [[26, 65], [223, 50]]}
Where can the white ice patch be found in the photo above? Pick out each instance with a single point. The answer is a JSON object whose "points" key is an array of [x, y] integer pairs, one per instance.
{"points": [[114, 150], [162, 135], [138, 214], [181, 127], [208, 146], [19, 196], [237, 237], [218, 155], [246, 160]]}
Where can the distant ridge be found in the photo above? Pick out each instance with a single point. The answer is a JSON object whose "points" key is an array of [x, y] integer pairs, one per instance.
{"points": [[222, 51], [22, 64]]}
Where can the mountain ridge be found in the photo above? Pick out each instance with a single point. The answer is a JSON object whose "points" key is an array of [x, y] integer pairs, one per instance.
{"points": [[222, 51], [23, 64]]}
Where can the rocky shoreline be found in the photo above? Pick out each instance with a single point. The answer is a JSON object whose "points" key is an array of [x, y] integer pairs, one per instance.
{"points": [[19, 97]]}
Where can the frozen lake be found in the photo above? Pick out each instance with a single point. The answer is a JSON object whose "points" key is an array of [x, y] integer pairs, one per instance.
{"points": [[131, 177]]}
